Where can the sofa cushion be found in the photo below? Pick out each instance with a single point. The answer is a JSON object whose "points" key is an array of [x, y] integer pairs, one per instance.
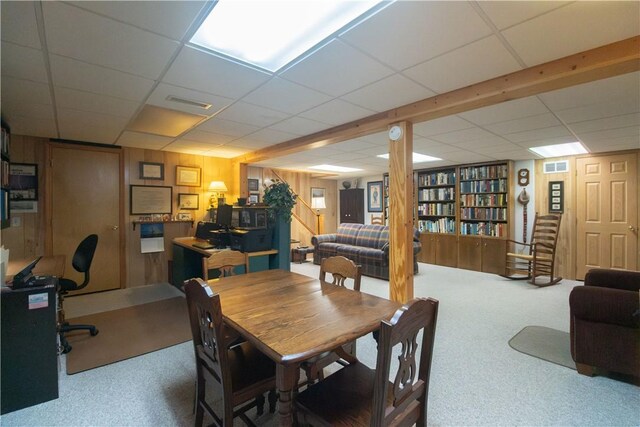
{"points": [[329, 247], [347, 233], [351, 252], [369, 254], [369, 236]]}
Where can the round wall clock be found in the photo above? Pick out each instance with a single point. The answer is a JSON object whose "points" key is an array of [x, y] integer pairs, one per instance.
{"points": [[523, 177], [395, 133]]}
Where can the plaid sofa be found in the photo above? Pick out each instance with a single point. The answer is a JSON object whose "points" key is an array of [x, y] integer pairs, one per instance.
{"points": [[367, 245]]}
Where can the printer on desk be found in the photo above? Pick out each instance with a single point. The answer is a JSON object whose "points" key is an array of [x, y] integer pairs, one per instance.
{"points": [[251, 239]]}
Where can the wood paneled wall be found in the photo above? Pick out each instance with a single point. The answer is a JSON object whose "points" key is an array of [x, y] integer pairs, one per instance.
{"points": [[153, 268]]}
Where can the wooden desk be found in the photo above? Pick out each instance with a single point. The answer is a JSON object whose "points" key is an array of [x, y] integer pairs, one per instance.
{"points": [[47, 266], [291, 318], [187, 259]]}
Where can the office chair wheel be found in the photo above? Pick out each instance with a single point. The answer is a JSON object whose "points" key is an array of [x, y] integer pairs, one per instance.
{"points": [[66, 348], [94, 332]]}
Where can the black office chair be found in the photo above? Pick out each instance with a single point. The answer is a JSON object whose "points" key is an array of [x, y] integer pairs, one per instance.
{"points": [[82, 263]]}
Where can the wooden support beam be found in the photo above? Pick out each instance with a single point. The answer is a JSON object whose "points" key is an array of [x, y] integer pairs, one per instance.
{"points": [[401, 215], [606, 61]]}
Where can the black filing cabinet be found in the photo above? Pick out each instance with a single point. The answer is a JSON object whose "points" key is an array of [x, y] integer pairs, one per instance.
{"points": [[29, 362]]}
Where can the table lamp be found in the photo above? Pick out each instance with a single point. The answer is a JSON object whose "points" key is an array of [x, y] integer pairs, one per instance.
{"points": [[217, 188], [317, 203]]}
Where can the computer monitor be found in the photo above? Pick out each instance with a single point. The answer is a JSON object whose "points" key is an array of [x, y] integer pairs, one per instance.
{"points": [[23, 276], [224, 216]]}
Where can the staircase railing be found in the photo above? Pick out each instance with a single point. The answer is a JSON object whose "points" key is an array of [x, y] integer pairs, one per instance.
{"points": [[305, 204]]}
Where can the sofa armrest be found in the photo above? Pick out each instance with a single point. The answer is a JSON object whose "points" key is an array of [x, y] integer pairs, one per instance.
{"points": [[417, 247], [322, 238], [604, 305], [616, 279]]}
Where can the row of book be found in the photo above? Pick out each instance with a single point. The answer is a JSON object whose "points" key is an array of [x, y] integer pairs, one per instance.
{"points": [[439, 178], [486, 186], [495, 214], [483, 229], [5, 173], [434, 194], [483, 199], [437, 209], [484, 172], [442, 225]]}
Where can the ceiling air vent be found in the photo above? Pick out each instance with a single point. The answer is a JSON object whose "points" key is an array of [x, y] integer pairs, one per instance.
{"points": [[196, 104], [560, 166]]}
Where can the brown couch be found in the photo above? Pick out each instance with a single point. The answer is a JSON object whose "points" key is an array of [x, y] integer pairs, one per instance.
{"points": [[605, 323]]}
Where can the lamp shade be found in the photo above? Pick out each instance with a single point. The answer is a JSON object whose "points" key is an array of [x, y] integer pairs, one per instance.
{"points": [[218, 186], [318, 203]]}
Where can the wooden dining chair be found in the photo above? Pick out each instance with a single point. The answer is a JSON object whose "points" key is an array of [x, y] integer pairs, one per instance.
{"points": [[377, 220], [360, 396], [225, 261], [241, 375], [341, 269], [539, 259]]}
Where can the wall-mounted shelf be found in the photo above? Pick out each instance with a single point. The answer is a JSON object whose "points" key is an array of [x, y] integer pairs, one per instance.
{"points": [[162, 222]]}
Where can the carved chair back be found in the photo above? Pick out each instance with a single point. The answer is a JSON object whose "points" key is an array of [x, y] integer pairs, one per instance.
{"points": [[225, 261], [341, 269]]}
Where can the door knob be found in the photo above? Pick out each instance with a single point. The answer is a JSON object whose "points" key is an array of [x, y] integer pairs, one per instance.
{"points": [[115, 227], [632, 228]]}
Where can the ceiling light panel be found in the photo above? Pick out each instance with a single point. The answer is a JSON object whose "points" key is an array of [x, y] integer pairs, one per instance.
{"points": [[417, 157], [559, 150], [272, 34]]}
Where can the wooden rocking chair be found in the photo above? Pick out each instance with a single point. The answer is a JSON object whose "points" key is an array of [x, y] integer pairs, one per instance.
{"points": [[540, 261]]}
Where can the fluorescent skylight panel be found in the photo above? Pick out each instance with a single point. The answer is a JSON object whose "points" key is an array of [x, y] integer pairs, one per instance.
{"points": [[417, 157], [332, 168], [559, 150], [270, 34]]}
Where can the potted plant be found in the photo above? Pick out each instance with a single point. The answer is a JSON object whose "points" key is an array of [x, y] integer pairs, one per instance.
{"points": [[280, 198]]}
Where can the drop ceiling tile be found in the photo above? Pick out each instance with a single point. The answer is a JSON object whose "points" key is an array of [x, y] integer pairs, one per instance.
{"points": [[605, 135], [13, 107], [463, 135], [631, 142], [538, 134], [162, 91], [606, 123], [19, 23], [299, 126], [465, 157], [439, 126], [391, 92], [348, 157], [92, 102], [574, 28], [378, 138], [207, 137], [554, 140], [248, 143], [524, 123], [486, 144], [432, 148], [25, 91], [227, 127], [410, 32], [336, 69], [254, 115], [202, 71], [169, 18], [23, 63], [488, 58], [356, 145], [32, 126], [74, 74], [194, 146], [272, 136], [336, 112], [143, 140], [513, 155], [105, 42], [504, 14], [282, 95], [505, 111], [601, 110], [226, 152], [91, 127], [619, 89]]}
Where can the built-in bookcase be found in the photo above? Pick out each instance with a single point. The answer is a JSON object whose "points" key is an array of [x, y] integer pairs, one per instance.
{"points": [[484, 195], [437, 201]]}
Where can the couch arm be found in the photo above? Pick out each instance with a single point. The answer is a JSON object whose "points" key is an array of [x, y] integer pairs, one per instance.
{"points": [[417, 247], [617, 279], [322, 238], [604, 305]]}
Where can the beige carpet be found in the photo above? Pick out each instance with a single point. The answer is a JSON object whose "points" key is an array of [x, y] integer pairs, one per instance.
{"points": [[544, 343], [128, 332]]}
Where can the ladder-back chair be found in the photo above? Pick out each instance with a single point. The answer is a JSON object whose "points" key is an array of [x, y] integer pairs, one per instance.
{"points": [[540, 259], [360, 396]]}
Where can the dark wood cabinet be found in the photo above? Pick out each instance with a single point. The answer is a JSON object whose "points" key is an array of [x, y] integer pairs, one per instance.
{"points": [[494, 255], [486, 254], [352, 205], [470, 253]]}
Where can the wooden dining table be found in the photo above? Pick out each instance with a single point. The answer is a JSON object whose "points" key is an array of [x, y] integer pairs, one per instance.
{"points": [[291, 318]]}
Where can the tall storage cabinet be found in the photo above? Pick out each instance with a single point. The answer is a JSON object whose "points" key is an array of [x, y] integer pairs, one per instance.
{"points": [[352, 206]]}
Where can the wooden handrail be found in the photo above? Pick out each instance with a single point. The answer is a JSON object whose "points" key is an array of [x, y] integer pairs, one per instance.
{"points": [[304, 224], [304, 203]]}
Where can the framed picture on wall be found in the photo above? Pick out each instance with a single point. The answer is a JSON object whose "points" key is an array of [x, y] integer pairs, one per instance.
{"points": [[253, 184], [254, 198], [374, 196], [149, 170], [188, 201], [556, 196], [188, 176]]}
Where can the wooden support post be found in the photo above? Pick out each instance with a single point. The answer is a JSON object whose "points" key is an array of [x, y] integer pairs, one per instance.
{"points": [[401, 214]]}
